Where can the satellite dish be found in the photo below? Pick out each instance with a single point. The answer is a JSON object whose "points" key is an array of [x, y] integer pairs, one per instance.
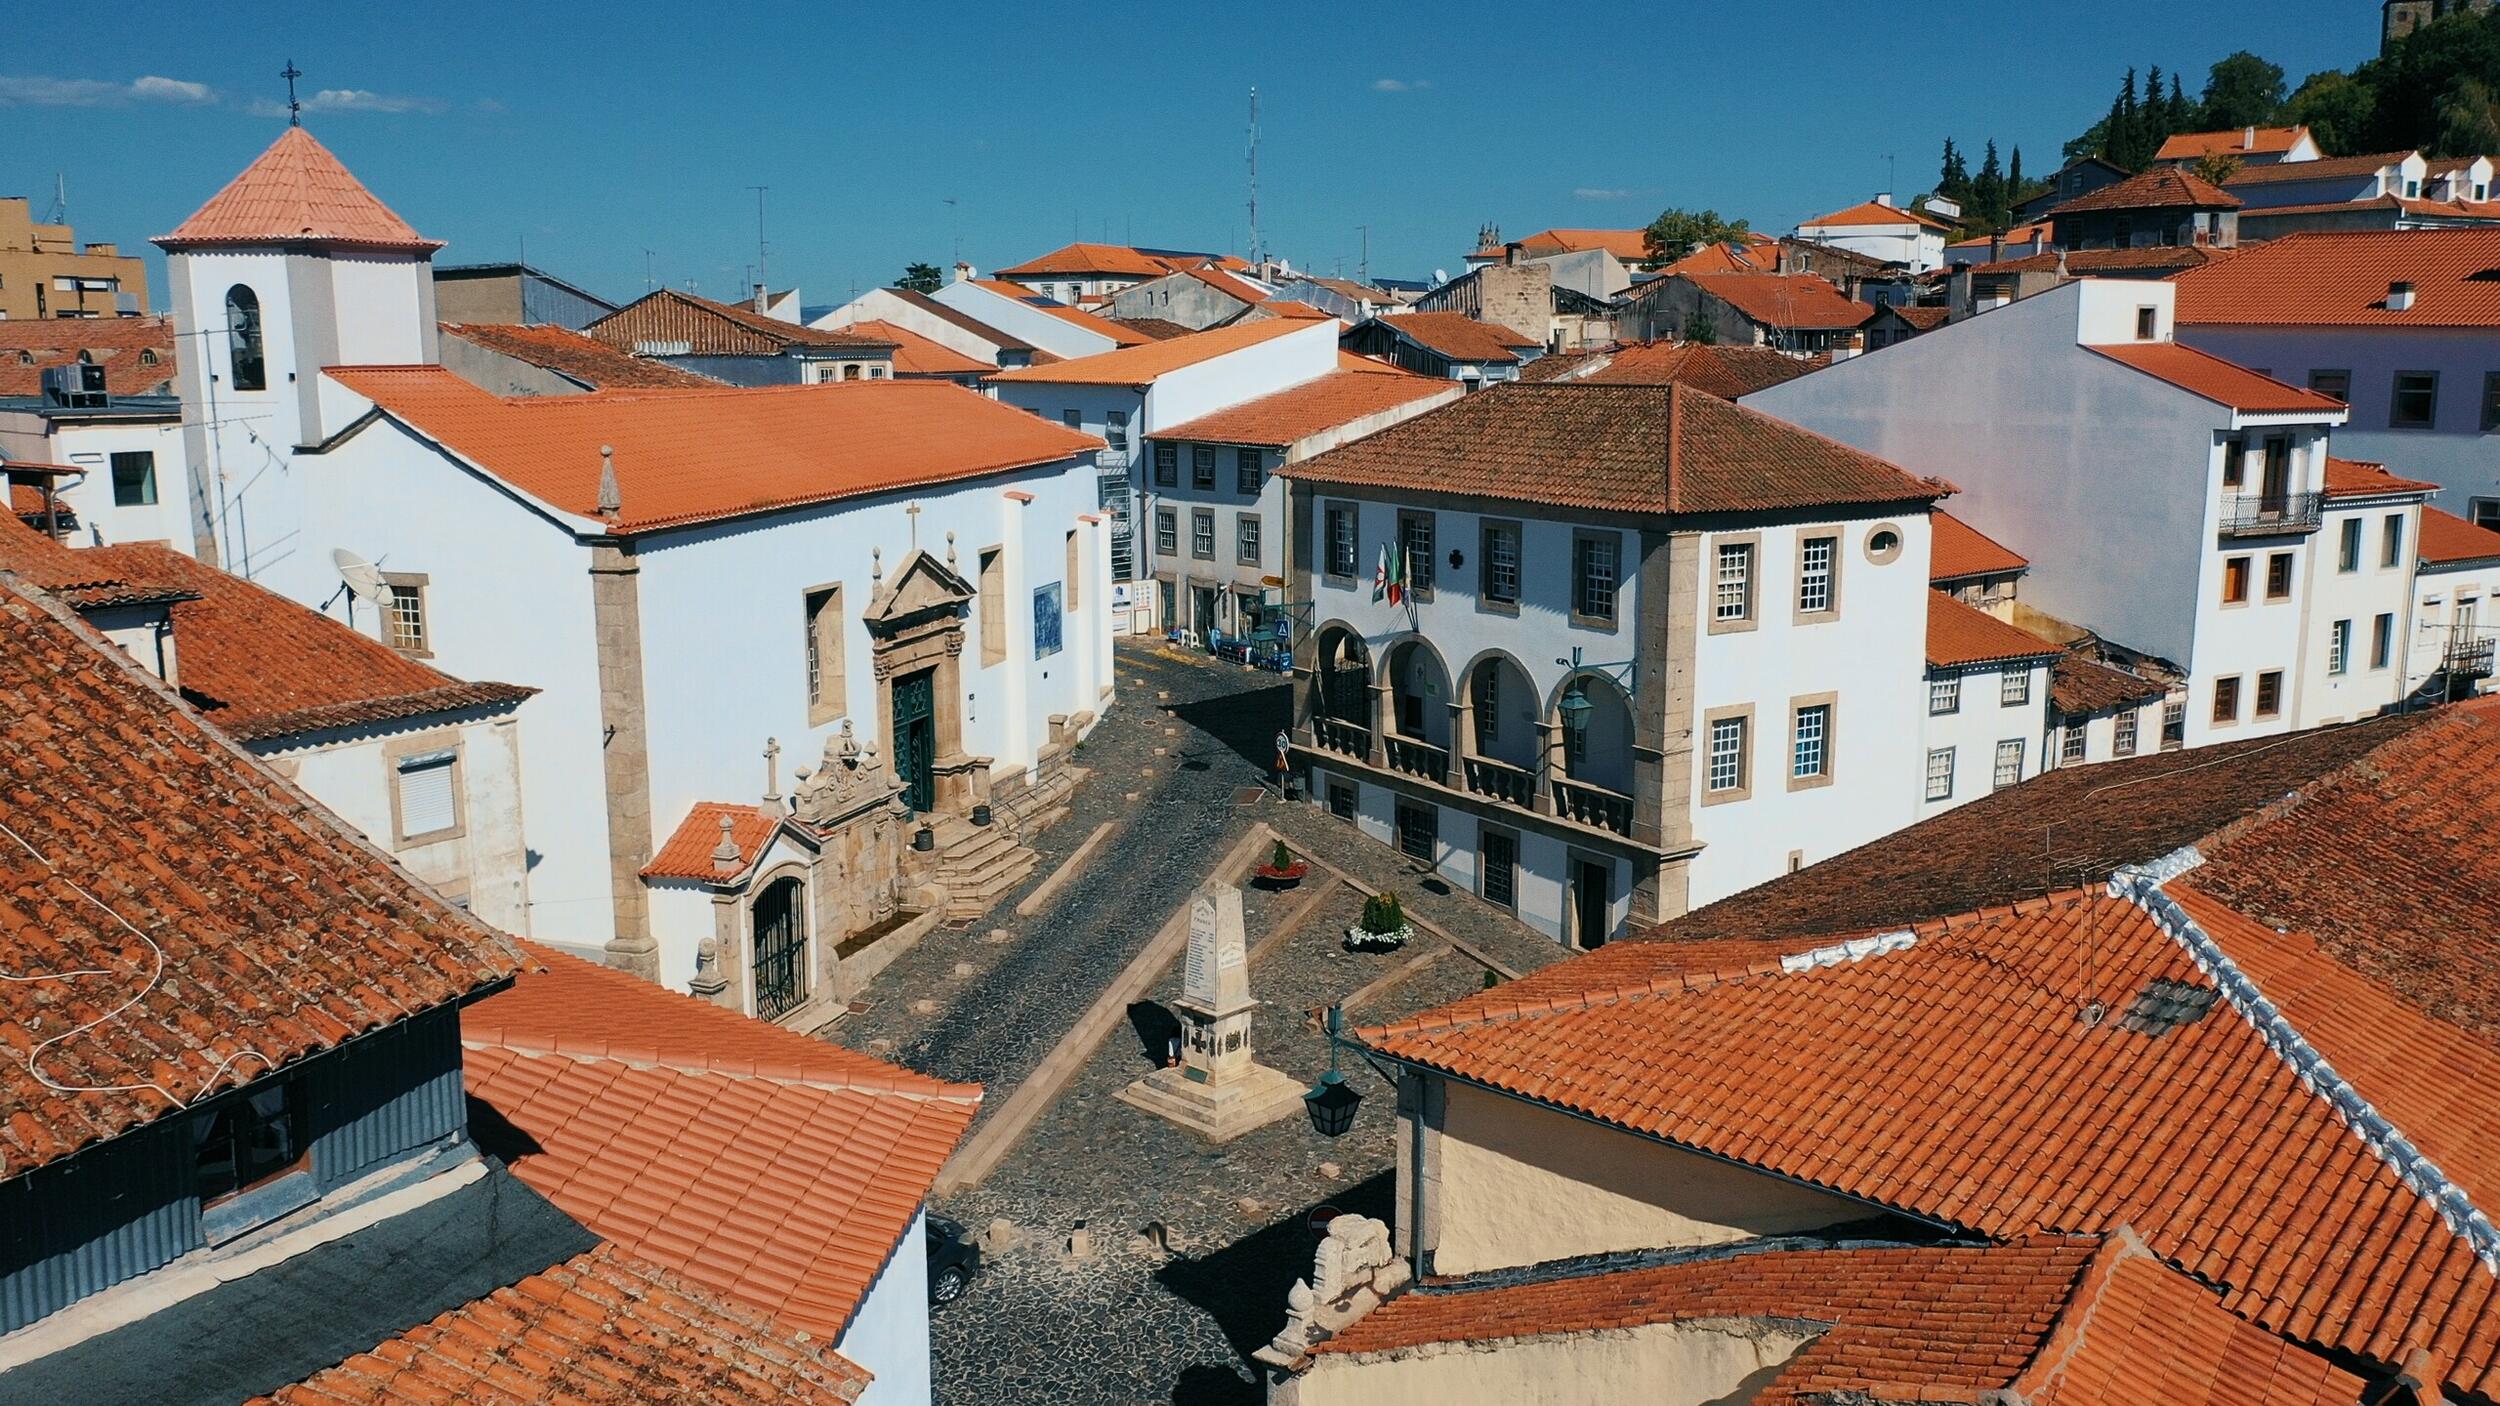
{"points": [[1440, 276], [362, 577]]}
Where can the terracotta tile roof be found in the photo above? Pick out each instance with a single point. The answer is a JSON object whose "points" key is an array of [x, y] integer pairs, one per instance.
{"points": [[697, 456], [2339, 279], [1004, 289], [2083, 686], [1120, 334], [1875, 213], [1116, 260], [77, 575], [688, 852], [137, 353], [2152, 261], [2324, 168], [2093, 818], [661, 1122], [1925, 319], [603, 1326], [1951, 1078], [2359, 478], [2389, 862], [207, 922], [1635, 449], [2210, 377], [296, 192], [2018, 234], [1348, 288], [1005, 341], [2266, 141], [1959, 636], [1804, 300], [2161, 187], [2449, 540], [667, 317], [592, 363], [1961, 551], [1338, 398], [1293, 308], [1726, 372], [1227, 285], [1457, 336], [261, 666], [1140, 364], [1155, 328], [1905, 1323], [1629, 245], [1714, 258], [915, 355], [1348, 361]]}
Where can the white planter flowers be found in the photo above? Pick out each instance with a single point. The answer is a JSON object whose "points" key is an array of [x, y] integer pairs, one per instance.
{"points": [[1382, 928]]}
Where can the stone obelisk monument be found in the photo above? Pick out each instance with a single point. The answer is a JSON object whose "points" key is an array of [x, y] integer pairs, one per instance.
{"points": [[1217, 1090]]}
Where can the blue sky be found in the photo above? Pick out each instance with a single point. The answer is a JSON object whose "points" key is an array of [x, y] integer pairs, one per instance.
{"points": [[591, 134]]}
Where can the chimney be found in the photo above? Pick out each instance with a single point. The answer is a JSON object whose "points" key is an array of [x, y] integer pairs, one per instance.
{"points": [[2399, 297], [763, 299], [2248, 140], [1996, 248], [1884, 199], [964, 272], [611, 501]]}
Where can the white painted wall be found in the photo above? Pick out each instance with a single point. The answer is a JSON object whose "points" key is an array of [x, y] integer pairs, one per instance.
{"points": [[91, 445], [1220, 382], [1974, 729], [2360, 595], [2443, 598], [1902, 242], [881, 305], [2456, 453], [889, 1334], [1055, 335]]}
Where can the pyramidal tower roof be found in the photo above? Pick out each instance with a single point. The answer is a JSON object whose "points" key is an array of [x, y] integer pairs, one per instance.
{"points": [[296, 192]]}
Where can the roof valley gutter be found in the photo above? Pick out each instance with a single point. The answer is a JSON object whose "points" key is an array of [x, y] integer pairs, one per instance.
{"points": [[1953, 1227], [2142, 885]]}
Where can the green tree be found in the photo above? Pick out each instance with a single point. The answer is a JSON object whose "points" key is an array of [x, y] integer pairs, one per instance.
{"points": [[921, 278], [2156, 111], [1988, 192], [2216, 166], [2337, 108], [2184, 114], [1953, 181], [2242, 90], [2469, 119], [1699, 328], [1676, 233]]}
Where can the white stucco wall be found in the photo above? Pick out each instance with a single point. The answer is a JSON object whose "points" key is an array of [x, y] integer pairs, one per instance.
{"points": [[1055, 335], [2360, 595], [241, 439], [1262, 368], [2438, 594], [889, 1334], [1974, 729], [1519, 1183], [1664, 1364], [882, 305], [91, 445]]}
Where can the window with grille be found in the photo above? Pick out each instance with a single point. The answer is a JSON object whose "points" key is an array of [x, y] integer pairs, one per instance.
{"points": [[1814, 575], [1341, 800], [1167, 466], [1595, 576], [1202, 535], [1501, 563], [2122, 734], [1340, 541], [2014, 688], [1115, 429], [1727, 754], [1500, 863], [1944, 694], [2073, 742], [1811, 739], [2009, 769], [403, 618], [2339, 647], [1733, 597], [1202, 466], [1416, 536], [2270, 693], [1419, 831], [2227, 700], [1940, 773], [429, 804], [1249, 470], [1167, 531], [1246, 530]]}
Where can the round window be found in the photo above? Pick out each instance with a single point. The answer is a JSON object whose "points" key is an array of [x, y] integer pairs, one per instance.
{"points": [[1883, 544]]}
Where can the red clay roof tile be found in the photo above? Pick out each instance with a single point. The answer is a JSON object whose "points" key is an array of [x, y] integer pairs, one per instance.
{"points": [[1960, 551], [2449, 540], [1459, 337], [2159, 188], [1336, 399], [592, 363], [2359, 478], [137, 353], [690, 847], [915, 355], [667, 317], [1140, 363], [1959, 635], [2212, 378], [2340, 279], [2263, 141], [296, 192], [2324, 168], [1796, 300]]}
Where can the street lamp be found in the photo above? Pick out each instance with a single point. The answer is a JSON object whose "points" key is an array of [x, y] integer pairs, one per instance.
{"points": [[1332, 1101], [1576, 707]]}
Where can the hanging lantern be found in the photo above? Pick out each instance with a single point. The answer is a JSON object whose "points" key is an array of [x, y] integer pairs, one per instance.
{"points": [[1332, 1103]]}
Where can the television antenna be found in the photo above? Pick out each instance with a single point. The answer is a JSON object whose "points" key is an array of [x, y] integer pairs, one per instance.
{"points": [[1256, 261], [760, 275]]}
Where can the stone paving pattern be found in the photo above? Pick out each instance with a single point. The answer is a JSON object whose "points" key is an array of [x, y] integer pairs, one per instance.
{"points": [[1131, 1324]]}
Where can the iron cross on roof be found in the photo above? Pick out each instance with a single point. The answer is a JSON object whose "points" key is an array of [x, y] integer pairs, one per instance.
{"points": [[294, 109]]}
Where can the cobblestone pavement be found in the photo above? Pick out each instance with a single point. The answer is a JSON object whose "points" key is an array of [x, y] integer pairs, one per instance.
{"points": [[1133, 1323]]}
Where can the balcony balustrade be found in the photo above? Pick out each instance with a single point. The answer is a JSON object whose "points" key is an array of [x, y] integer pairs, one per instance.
{"points": [[2270, 514], [1594, 806]]}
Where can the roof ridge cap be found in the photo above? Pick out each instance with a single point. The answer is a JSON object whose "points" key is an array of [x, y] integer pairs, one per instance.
{"points": [[2145, 886], [789, 1075]]}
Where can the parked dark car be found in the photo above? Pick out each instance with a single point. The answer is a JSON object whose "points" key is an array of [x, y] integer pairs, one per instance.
{"points": [[953, 1260]]}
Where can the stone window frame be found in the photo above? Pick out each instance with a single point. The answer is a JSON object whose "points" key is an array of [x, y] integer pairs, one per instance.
{"points": [[2259, 709], [1590, 536], [1430, 522], [2226, 689], [2348, 546], [1879, 554], [1331, 511], [1952, 760], [2124, 731], [2339, 648], [1799, 614], [1996, 769], [1249, 471], [1168, 531], [2396, 394], [1167, 468], [1944, 686], [2014, 686], [1797, 707], [1202, 466], [2391, 542], [1484, 869], [1074, 571], [783, 869], [1742, 714], [399, 749], [1202, 518], [2382, 640], [2074, 739], [1487, 529], [2278, 564], [1751, 619], [2244, 562], [992, 596], [417, 582], [829, 698], [1249, 539]]}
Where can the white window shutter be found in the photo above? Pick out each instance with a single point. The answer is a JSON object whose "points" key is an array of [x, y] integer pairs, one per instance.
{"points": [[426, 803]]}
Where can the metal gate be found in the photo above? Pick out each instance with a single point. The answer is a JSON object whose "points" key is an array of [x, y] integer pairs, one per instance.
{"points": [[780, 949], [915, 738]]}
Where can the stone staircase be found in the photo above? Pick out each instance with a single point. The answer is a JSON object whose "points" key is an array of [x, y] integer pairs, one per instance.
{"points": [[979, 864]]}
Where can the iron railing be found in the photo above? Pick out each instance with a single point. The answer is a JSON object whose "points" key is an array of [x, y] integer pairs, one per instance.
{"points": [[2270, 514], [2468, 653]]}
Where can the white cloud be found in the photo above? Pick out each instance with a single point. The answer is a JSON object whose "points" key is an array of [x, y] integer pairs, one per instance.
{"points": [[37, 90], [1400, 85], [1599, 193], [349, 100]]}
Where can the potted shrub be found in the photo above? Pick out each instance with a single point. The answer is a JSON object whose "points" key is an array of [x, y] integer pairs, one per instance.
{"points": [[1282, 870], [1383, 928]]}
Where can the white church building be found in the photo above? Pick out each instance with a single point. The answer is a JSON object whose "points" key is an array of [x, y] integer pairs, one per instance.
{"points": [[786, 630]]}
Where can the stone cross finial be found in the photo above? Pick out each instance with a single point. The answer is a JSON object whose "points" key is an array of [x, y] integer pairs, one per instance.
{"points": [[772, 771], [912, 511], [725, 855], [611, 499]]}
